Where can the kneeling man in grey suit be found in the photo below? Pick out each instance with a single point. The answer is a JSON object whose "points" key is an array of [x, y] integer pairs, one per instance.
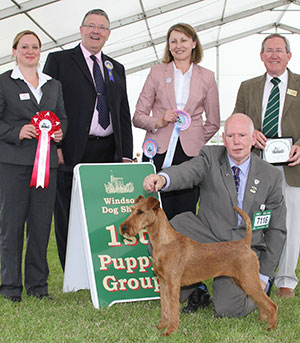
{"points": [[256, 186]]}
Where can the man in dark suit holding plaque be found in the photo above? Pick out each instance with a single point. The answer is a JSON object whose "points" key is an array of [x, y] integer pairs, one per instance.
{"points": [[273, 102], [95, 96]]}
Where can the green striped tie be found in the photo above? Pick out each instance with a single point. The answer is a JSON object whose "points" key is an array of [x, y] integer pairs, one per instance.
{"points": [[270, 124]]}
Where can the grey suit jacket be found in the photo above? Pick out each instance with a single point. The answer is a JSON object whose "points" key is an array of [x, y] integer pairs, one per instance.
{"points": [[249, 101], [217, 220], [15, 113]]}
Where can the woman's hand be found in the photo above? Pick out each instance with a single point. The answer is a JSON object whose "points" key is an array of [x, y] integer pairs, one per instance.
{"points": [[169, 117], [28, 131]]}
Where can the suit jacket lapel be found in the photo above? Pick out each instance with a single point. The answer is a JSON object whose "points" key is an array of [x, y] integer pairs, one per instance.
{"points": [[252, 184], [25, 89], [293, 85], [195, 84], [80, 60], [258, 100], [228, 178], [46, 90], [169, 84]]}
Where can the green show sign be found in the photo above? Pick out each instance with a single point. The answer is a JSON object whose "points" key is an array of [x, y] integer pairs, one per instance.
{"points": [[115, 269]]}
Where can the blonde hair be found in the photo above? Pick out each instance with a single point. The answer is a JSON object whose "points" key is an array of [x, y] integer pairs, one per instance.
{"points": [[188, 30], [22, 34]]}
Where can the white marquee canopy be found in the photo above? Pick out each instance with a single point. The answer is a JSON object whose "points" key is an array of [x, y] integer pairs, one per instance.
{"points": [[230, 31]]}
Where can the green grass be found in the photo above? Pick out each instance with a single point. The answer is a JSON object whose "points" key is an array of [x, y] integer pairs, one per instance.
{"points": [[71, 318]]}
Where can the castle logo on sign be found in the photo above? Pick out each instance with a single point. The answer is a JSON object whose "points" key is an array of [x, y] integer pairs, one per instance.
{"points": [[116, 185]]}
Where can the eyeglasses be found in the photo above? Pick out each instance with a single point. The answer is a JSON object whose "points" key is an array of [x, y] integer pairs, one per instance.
{"points": [[277, 51], [101, 28]]}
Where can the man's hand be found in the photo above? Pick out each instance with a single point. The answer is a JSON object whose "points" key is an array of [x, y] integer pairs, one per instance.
{"points": [[261, 140], [294, 156], [60, 156], [263, 284], [58, 136], [153, 183]]}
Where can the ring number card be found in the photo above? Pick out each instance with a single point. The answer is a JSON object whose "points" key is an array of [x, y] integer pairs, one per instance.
{"points": [[261, 220]]}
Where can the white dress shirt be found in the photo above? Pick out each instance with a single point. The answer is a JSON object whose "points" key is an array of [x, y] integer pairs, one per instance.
{"points": [[182, 86], [37, 92]]}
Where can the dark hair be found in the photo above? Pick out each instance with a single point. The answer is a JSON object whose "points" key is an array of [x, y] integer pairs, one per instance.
{"points": [[95, 11], [22, 34], [276, 35], [189, 31]]}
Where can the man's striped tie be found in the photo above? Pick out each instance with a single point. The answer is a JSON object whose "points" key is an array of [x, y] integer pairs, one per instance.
{"points": [[270, 123]]}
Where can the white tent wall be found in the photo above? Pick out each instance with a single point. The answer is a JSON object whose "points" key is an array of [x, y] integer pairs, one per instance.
{"points": [[231, 32]]}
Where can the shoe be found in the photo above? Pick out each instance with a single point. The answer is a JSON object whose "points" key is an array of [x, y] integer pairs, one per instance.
{"points": [[13, 298], [286, 292], [199, 298], [269, 286], [41, 296]]}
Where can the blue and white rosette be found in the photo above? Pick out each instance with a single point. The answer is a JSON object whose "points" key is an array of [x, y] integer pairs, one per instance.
{"points": [[150, 149], [109, 66], [183, 122]]}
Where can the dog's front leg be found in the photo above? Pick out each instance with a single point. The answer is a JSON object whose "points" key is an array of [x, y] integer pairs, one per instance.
{"points": [[173, 307], [164, 320]]}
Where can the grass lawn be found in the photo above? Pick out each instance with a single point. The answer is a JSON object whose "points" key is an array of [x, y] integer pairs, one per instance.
{"points": [[71, 318]]}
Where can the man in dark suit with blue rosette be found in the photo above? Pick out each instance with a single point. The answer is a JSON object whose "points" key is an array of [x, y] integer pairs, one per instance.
{"points": [[95, 96]]}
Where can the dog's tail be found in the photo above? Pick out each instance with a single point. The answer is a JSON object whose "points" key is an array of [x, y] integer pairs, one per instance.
{"points": [[248, 235]]}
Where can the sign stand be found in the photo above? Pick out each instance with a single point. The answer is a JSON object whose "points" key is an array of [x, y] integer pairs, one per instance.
{"points": [[98, 258]]}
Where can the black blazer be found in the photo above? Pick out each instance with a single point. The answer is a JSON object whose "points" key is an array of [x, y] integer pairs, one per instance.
{"points": [[15, 113], [70, 67]]}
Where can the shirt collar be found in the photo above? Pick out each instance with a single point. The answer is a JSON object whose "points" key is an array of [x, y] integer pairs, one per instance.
{"points": [[283, 77], [189, 72], [87, 53], [17, 74], [244, 167]]}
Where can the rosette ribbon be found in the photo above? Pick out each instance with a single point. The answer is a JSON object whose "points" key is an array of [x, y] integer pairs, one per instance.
{"points": [[150, 149], [183, 122], [46, 123]]}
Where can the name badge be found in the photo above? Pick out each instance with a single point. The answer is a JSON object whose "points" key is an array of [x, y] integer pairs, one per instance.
{"points": [[24, 96], [261, 220], [291, 92]]}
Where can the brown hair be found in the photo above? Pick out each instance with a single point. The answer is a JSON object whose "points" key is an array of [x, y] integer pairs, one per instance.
{"points": [[22, 34], [188, 30]]}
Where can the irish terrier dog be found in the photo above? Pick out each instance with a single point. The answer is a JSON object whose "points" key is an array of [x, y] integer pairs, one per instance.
{"points": [[178, 261]]}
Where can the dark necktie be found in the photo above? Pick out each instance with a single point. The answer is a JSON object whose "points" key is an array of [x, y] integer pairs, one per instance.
{"points": [[270, 123], [102, 106], [236, 176]]}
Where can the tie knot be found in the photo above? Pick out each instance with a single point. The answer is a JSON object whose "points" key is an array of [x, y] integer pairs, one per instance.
{"points": [[94, 58], [275, 81]]}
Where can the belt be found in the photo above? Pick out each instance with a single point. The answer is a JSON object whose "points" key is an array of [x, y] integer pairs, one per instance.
{"points": [[92, 137]]}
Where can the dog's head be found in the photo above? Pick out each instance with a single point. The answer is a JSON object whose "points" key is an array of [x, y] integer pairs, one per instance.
{"points": [[143, 214]]}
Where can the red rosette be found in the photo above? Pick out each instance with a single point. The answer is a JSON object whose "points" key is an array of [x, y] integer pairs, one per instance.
{"points": [[46, 123], [45, 115]]}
